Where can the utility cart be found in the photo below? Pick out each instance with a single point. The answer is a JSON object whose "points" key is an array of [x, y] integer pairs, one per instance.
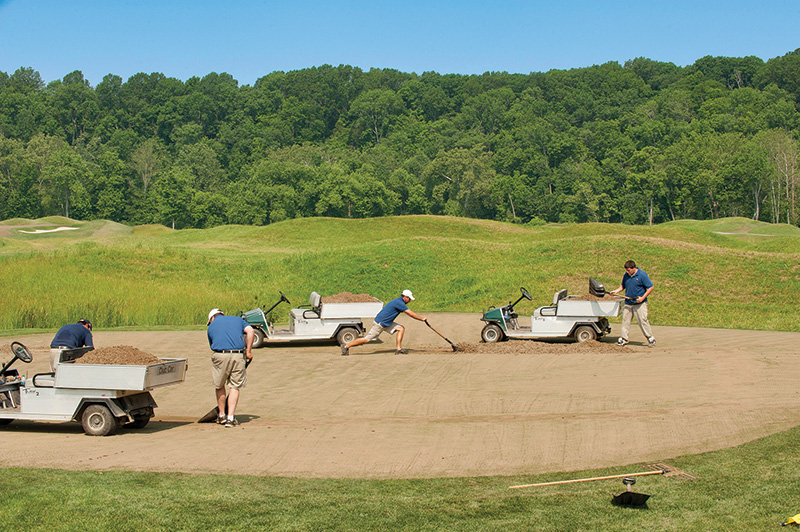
{"points": [[317, 321], [102, 397], [568, 317]]}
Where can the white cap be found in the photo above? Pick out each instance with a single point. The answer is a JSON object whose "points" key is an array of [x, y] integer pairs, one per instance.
{"points": [[214, 312], [408, 294]]}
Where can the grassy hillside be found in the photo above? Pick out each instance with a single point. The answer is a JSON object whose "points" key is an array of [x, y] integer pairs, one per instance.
{"points": [[732, 273]]}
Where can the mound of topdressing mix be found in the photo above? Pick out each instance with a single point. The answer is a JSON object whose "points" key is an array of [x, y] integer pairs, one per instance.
{"points": [[125, 355], [347, 297], [536, 347]]}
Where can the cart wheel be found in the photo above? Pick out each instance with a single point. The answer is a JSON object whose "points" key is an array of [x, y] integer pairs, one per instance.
{"points": [[346, 335], [492, 333], [258, 338], [97, 420], [585, 334], [21, 352]]}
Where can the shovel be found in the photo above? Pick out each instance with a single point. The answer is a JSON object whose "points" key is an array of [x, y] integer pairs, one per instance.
{"points": [[440, 334], [212, 415]]}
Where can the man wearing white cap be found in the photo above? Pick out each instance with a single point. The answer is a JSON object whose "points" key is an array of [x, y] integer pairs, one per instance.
{"points": [[384, 322], [231, 340]]}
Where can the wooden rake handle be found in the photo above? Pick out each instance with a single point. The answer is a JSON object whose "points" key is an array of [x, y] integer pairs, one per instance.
{"points": [[658, 472]]}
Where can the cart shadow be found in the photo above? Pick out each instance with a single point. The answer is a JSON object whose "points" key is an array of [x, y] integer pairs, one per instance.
{"points": [[70, 427]]}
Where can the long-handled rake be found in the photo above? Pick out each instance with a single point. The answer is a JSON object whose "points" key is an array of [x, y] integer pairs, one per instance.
{"points": [[455, 348]]}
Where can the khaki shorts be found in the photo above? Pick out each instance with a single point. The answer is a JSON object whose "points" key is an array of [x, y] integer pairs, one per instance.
{"points": [[228, 368], [377, 329]]}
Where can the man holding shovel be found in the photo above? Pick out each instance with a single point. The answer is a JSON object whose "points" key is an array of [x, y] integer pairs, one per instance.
{"points": [[384, 322], [637, 286], [231, 340]]}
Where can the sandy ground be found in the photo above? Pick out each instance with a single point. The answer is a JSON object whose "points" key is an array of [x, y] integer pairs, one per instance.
{"points": [[309, 412]]}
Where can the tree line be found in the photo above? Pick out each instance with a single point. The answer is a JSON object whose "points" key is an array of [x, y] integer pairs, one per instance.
{"points": [[643, 142]]}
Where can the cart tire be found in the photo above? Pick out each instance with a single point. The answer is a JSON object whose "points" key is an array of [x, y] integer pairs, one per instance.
{"points": [[258, 338], [4, 422], [97, 420], [492, 333], [585, 333], [347, 335]]}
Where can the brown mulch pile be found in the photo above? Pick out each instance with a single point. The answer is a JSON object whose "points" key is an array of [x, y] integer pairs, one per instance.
{"points": [[347, 297], [535, 347], [118, 354]]}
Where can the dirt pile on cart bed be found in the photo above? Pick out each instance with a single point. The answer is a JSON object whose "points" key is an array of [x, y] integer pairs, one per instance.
{"points": [[118, 354], [347, 297], [534, 347]]}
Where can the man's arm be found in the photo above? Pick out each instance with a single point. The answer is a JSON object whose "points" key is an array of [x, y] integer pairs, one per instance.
{"points": [[414, 315], [248, 344]]}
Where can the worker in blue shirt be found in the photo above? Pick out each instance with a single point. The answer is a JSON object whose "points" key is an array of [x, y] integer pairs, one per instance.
{"points": [[637, 286], [231, 341], [384, 322], [70, 336]]}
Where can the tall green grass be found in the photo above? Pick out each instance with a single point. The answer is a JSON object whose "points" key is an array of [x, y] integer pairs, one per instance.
{"points": [[151, 276]]}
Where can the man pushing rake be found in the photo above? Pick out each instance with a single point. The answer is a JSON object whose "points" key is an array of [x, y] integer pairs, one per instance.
{"points": [[384, 322]]}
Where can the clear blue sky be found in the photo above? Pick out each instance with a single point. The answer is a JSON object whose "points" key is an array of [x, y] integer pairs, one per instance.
{"points": [[249, 39]]}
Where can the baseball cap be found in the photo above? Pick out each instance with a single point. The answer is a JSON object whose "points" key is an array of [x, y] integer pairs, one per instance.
{"points": [[408, 294], [84, 321], [214, 312]]}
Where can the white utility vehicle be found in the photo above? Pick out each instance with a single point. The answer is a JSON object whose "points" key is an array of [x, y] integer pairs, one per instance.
{"points": [[568, 317], [318, 321], [102, 397]]}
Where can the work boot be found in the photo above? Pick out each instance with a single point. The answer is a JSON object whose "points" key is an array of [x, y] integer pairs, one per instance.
{"points": [[345, 351], [651, 341], [221, 420], [622, 341], [231, 423]]}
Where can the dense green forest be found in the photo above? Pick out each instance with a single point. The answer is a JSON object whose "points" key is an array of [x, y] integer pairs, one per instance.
{"points": [[644, 142]]}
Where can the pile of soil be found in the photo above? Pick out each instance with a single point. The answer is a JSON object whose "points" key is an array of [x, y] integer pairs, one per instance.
{"points": [[125, 355], [347, 297], [536, 347]]}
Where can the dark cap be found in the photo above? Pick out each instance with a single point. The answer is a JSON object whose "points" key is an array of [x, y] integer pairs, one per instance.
{"points": [[84, 321]]}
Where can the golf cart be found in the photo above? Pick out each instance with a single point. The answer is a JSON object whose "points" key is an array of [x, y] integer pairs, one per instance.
{"points": [[568, 317], [102, 397], [317, 321]]}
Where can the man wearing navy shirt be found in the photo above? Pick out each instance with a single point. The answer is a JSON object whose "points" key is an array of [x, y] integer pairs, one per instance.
{"points": [[231, 340], [70, 336], [637, 286], [384, 322]]}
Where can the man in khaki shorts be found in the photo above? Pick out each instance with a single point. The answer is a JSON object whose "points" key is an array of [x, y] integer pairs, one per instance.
{"points": [[384, 322], [231, 340]]}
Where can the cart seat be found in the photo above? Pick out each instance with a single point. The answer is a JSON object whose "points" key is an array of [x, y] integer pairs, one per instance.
{"points": [[315, 301], [558, 296]]}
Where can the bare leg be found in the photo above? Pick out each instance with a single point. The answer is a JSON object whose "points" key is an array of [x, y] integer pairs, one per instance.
{"points": [[233, 401], [221, 400], [400, 331]]}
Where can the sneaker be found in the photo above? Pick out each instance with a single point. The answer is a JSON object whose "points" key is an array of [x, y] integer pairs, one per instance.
{"points": [[221, 420], [401, 352], [231, 423], [622, 341], [651, 341], [345, 351]]}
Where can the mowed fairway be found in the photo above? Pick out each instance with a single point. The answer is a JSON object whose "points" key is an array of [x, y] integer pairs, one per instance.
{"points": [[309, 412]]}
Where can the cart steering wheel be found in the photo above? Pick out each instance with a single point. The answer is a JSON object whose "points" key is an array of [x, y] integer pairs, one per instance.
{"points": [[21, 352], [526, 294], [283, 297]]}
